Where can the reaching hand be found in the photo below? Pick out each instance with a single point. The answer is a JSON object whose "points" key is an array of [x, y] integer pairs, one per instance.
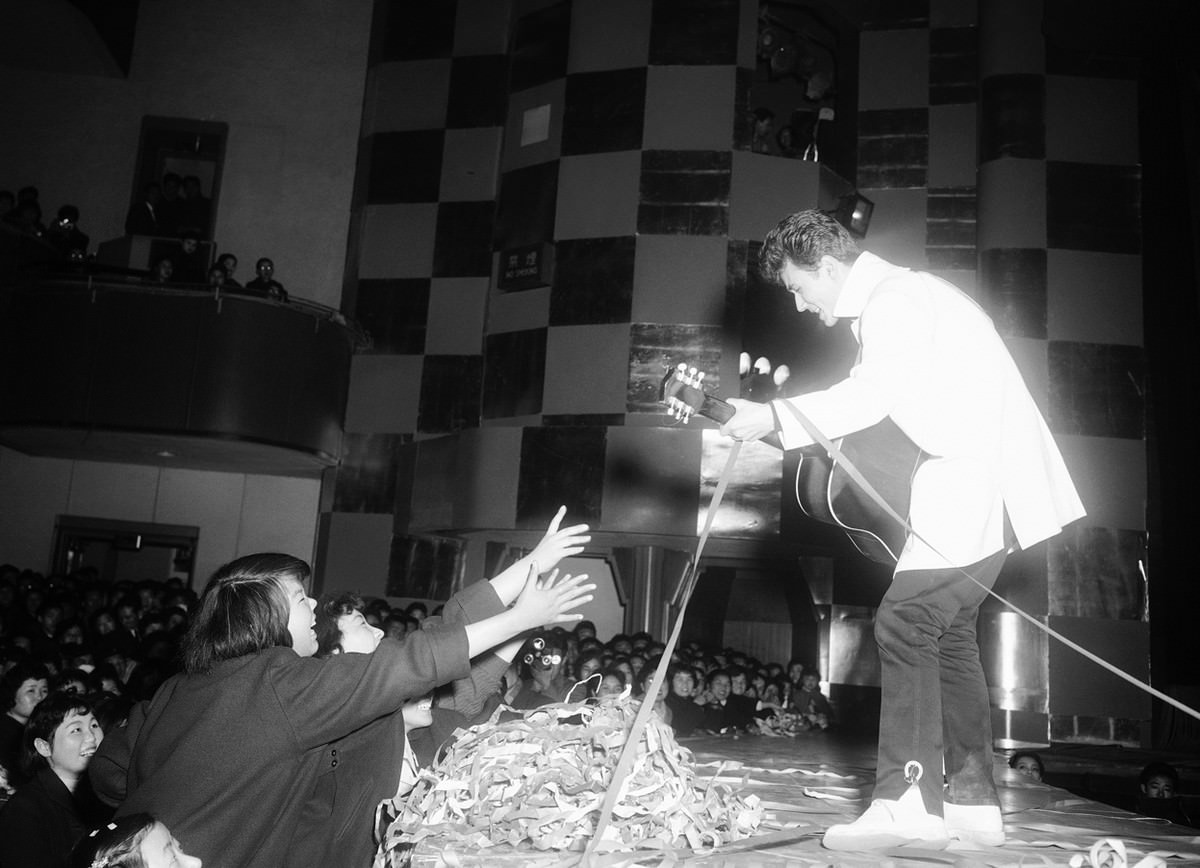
{"points": [[552, 548], [558, 544], [551, 600]]}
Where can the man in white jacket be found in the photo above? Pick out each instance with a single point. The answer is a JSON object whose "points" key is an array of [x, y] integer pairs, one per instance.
{"points": [[993, 479]]}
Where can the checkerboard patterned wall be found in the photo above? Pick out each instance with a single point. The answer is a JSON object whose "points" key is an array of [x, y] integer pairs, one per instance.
{"points": [[554, 387], [1022, 158], [616, 131], [1060, 261]]}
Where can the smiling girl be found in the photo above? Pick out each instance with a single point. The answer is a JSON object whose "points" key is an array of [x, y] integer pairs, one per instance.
{"points": [[21, 689], [45, 818]]}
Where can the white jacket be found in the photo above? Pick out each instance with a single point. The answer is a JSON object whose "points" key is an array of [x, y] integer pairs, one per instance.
{"points": [[932, 360]]}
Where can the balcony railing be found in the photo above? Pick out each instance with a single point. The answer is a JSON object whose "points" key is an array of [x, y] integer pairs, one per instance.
{"points": [[105, 369]]}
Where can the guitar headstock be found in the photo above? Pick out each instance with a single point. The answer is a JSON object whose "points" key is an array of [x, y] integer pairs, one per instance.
{"points": [[682, 391]]}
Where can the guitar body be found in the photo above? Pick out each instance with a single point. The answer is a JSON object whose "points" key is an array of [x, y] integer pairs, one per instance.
{"points": [[888, 459], [882, 453]]}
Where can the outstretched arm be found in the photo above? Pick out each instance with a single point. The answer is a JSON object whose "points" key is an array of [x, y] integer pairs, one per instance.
{"points": [[541, 601], [558, 543]]}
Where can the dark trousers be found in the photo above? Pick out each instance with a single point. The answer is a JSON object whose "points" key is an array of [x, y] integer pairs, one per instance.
{"points": [[935, 703]]}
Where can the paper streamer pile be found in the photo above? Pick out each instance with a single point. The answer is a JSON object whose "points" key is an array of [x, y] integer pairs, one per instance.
{"points": [[537, 782]]}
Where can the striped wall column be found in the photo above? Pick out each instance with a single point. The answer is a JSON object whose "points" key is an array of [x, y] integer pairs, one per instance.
{"points": [[417, 278], [1059, 271]]}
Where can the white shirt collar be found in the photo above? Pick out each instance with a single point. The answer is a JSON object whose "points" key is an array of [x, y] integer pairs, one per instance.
{"points": [[865, 274]]}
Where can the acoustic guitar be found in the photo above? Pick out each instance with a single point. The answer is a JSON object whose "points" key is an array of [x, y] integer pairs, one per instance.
{"points": [[883, 454]]}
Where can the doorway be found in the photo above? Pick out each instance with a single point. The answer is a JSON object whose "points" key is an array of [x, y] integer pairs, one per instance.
{"points": [[125, 550], [192, 153]]}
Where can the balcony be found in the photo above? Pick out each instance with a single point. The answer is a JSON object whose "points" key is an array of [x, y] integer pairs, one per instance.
{"points": [[108, 370]]}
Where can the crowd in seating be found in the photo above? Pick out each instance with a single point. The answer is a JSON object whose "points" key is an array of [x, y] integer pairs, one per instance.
{"points": [[77, 653], [174, 209], [21, 215], [705, 690]]}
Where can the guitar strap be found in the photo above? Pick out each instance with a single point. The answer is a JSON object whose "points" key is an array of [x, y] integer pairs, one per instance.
{"points": [[853, 472], [618, 784]]}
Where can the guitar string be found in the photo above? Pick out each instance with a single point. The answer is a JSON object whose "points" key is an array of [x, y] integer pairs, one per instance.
{"points": [[853, 472]]}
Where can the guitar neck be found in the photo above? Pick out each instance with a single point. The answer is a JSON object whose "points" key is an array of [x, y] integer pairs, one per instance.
{"points": [[722, 411]]}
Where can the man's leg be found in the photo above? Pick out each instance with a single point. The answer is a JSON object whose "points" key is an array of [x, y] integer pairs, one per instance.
{"points": [[972, 808], [966, 706], [918, 609]]}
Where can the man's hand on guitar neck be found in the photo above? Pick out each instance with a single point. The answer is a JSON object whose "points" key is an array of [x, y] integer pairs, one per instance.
{"points": [[751, 421]]}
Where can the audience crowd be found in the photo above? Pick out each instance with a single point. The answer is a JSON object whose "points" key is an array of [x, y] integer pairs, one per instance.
{"points": [[77, 654], [174, 208]]}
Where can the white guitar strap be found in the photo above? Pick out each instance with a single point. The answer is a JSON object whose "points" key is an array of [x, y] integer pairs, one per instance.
{"points": [[629, 751]]}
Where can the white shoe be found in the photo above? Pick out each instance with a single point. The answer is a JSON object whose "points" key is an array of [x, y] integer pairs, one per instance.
{"points": [[890, 823], [975, 824]]}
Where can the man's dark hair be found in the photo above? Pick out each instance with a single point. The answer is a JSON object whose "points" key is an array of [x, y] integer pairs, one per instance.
{"points": [[393, 618], [1159, 769], [677, 668], [244, 608], [716, 673], [802, 239], [1033, 755]]}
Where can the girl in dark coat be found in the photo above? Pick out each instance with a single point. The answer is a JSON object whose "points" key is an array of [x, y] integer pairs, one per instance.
{"points": [[228, 752], [41, 823]]}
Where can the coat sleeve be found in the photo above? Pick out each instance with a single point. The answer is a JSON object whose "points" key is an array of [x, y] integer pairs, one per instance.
{"points": [[109, 767], [469, 696], [473, 603], [323, 700]]}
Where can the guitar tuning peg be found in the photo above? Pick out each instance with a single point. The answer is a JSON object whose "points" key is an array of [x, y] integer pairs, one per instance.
{"points": [[699, 377], [762, 365], [692, 372], [743, 364]]}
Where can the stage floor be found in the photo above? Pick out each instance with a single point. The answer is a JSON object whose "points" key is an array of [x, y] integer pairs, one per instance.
{"points": [[816, 779]]}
